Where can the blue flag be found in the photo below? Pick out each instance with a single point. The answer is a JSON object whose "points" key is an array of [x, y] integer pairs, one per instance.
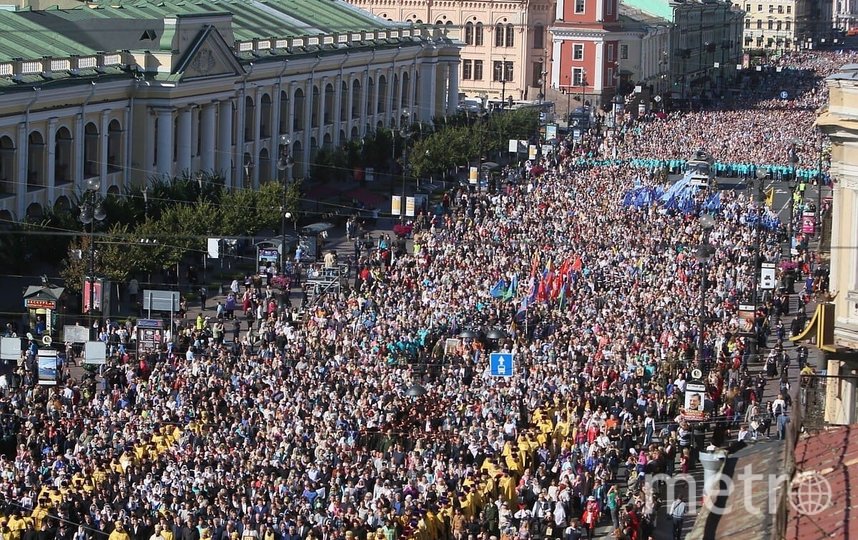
{"points": [[499, 289]]}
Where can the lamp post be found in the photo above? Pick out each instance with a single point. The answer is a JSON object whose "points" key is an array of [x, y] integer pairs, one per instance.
{"points": [[91, 212], [704, 255], [284, 165], [583, 86], [792, 156], [757, 188], [405, 127]]}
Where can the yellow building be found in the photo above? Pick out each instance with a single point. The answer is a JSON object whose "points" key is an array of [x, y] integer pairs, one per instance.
{"points": [[786, 25], [123, 93], [506, 43], [836, 322]]}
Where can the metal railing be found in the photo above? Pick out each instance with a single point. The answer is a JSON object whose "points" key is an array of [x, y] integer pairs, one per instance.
{"points": [[823, 403]]}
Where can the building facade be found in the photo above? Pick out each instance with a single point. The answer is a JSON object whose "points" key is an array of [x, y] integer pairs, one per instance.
{"points": [[681, 47], [837, 321], [505, 42], [786, 25], [845, 14], [184, 88]]}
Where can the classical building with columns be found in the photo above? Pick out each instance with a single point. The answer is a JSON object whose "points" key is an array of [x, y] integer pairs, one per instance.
{"points": [[126, 92]]}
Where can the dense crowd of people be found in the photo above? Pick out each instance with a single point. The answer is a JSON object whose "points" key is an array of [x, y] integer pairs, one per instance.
{"points": [[376, 416]]}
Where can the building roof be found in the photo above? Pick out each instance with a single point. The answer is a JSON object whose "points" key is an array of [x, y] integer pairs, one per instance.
{"points": [[659, 8], [632, 17], [118, 25], [833, 456]]}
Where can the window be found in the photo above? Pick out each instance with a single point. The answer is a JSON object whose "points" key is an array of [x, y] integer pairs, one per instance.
{"points": [[780, 9], [502, 71], [748, 41], [609, 8], [467, 70], [478, 70], [789, 9], [748, 8], [771, 25], [578, 77], [747, 24], [624, 52], [759, 7], [759, 25], [510, 35], [771, 8], [497, 71], [578, 51], [788, 26], [611, 57], [778, 25], [538, 36], [579, 6], [478, 34], [498, 35], [759, 41], [469, 33]]}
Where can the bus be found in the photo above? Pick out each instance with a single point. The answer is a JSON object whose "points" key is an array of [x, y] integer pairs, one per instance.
{"points": [[701, 169]]}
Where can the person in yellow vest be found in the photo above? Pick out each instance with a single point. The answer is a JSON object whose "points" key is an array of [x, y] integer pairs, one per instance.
{"points": [[119, 532], [16, 525]]}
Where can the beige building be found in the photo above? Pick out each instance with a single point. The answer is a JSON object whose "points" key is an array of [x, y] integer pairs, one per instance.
{"points": [[172, 88], [835, 324], [785, 25], [506, 42]]}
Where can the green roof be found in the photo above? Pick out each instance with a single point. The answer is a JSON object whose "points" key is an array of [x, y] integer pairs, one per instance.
{"points": [[659, 8], [114, 25]]}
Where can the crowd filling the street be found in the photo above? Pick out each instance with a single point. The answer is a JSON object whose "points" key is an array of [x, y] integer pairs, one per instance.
{"points": [[376, 415]]}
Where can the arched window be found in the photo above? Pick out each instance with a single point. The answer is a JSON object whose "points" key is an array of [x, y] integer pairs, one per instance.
{"points": [[538, 36], [35, 160], [265, 117], [478, 34], [90, 151], [114, 146], [510, 35], [63, 157], [249, 105], [498, 35], [469, 33]]}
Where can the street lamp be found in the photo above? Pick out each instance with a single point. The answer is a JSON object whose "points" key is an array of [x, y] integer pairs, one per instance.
{"points": [[404, 129], [617, 102], [756, 187], [791, 183], [284, 165], [704, 255], [92, 212]]}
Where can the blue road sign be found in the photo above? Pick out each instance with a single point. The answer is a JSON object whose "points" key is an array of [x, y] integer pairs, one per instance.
{"points": [[501, 364]]}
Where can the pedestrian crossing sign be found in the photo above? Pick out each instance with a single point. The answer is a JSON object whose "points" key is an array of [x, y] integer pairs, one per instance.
{"points": [[501, 364]]}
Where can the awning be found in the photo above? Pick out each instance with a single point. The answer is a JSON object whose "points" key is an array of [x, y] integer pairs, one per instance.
{"points": [[820, 329]]}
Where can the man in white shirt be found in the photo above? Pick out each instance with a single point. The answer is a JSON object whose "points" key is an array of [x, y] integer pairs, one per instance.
{"points": [[677, 514]]}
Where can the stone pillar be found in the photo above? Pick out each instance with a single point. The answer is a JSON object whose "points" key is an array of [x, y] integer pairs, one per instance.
{"points": [[183, 142], [50, 177], [453, 88], [412, 92], [78, 145], [23, 174], [350, 103], [104, 120], [427, 91], [208, 126], [363, 104], [225, 143], [257, 125], [338, 106], [126, 147], [164, 167], [308, 125], [375, 98], [398, 97]]}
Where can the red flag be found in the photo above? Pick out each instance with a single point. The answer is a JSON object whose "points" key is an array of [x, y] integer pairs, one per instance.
{"points": [[534, 264], [578, 264]]}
